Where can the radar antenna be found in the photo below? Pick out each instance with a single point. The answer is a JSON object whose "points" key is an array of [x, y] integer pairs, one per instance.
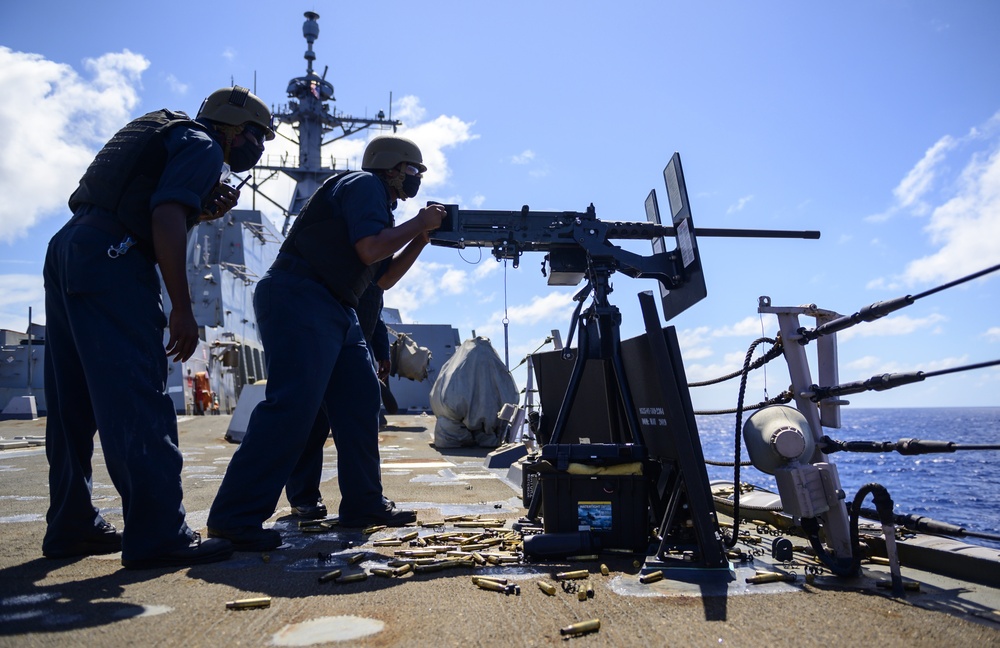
{"points": [[317, 124]]}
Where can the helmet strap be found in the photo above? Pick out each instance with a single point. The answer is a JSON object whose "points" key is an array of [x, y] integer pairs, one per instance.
{"points": [[229, 133], [395, 182]]}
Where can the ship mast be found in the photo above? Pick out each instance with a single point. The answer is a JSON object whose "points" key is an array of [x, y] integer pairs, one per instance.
{"points": [[310, 114]]}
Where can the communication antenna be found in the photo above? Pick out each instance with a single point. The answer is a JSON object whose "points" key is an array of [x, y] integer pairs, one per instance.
{"points": [[317, 124]]}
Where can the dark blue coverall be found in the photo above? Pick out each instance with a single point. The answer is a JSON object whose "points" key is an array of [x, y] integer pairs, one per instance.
{"points": [[316, 356], [106, 369], [302, 488]]}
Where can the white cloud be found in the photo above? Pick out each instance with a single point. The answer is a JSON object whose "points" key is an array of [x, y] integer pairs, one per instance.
{"points": [[554, 306], [694, 343], [992, 334], [53, 122], [175, 85], [524, 158], [966, 228], [752, 326], [894, 326], [963, 216], [740, 204], [919, 180]]}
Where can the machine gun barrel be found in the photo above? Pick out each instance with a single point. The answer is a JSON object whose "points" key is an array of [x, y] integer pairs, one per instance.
{"points": [[541, 230]]}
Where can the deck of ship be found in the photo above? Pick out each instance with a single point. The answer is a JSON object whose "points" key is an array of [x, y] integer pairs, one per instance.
{"points": [[94, 602]]}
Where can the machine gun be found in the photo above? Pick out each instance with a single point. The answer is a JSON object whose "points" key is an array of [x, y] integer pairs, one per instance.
{"points": [[580, 245]]}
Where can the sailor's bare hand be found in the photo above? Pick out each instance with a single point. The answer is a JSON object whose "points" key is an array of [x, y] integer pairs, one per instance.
{"points": [[183, 335], [431, 217], [224, 197]]}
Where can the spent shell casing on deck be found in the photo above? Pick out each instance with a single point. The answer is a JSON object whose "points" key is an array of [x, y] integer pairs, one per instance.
{"points": [[490, 585], [502, 581], [651, 577], [246, 604], [771, 577], [573, 575], [604, 570], [548, 588], [406, 537], [356, 558], [383, 572], [581, 628], [909, 586], [353, 578], [402, 569], [329, 576], [373, 529]]}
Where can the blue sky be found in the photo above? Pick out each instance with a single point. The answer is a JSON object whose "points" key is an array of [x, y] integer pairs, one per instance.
{"points": [[876, 122]]}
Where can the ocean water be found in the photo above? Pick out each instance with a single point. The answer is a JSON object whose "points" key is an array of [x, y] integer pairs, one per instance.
{"points": [[961, 488]]}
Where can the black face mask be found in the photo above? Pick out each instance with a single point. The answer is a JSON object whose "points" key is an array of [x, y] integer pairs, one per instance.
{"points": [[243, 157], [411, 185]]}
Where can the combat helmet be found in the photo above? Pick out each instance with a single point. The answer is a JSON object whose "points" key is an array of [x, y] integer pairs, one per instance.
{"points": [[235, 106], [387, 151]]}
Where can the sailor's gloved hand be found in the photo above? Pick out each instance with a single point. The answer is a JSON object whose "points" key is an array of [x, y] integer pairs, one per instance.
{"points": [[224, 197]]}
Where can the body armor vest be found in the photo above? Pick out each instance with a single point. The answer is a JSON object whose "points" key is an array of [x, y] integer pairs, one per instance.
{"points": [[125, 173], [319, 235]]}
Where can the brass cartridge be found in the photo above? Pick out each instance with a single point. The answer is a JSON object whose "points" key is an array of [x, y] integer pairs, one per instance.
{"points": [[417, 553], [373, 529], [246, 604], [476, 579], [582, 627], [493, 586], [771, 577], [402, 569], [604, 570], [353, 578], [573, 575], [908, 586], [406, 537], [548, 588], [383, 572], [314, 528], [478, 546], [651, 577], [329, 576], [356, 558]]}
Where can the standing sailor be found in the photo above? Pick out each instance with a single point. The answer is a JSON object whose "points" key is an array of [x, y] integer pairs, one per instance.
{"points": [[310, 294], [105, 366]]}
